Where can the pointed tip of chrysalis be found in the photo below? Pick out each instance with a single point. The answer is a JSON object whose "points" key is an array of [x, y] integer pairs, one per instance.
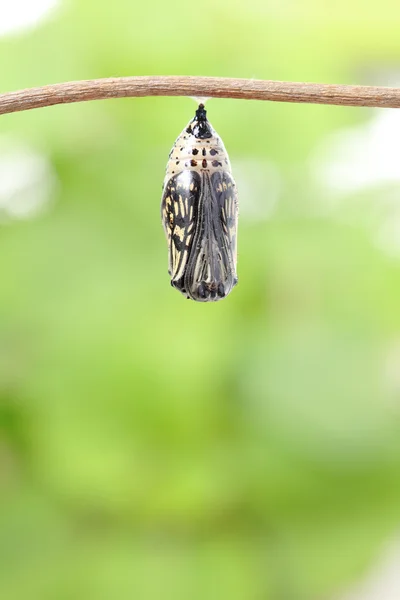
{"points": [[201, 113], [200, 126]]}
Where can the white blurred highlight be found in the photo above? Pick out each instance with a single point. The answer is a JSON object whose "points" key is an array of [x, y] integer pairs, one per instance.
{"points": [[19, 15], [383, 581], [361, 160], [27, 181], [361, 157], [259, 185]]}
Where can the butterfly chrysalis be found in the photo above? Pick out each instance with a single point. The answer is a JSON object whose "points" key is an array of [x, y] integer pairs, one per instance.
{"points": [[200, 212]]}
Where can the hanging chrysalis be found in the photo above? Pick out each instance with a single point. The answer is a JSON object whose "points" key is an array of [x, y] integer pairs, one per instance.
{"points": [[200, 211]]}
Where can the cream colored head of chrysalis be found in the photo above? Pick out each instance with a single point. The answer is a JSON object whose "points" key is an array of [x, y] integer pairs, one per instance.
{"points": [[198, 148]]}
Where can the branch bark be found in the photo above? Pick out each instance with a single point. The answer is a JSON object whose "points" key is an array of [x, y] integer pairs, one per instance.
{"points": [[216, 87]]}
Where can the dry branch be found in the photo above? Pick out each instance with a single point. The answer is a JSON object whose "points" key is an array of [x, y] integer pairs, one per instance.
{"points": [[217, 87]]}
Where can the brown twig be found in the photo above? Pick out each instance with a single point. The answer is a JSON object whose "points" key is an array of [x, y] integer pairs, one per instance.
{"points": [[217, 87]]}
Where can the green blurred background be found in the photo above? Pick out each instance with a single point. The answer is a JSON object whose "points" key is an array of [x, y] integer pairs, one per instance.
{"points": [[152, 447]]}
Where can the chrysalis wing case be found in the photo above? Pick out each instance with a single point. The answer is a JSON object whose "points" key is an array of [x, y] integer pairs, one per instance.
{"points": [[200, 211]]}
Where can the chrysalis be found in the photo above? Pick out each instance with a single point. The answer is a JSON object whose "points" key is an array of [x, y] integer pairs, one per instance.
{"points": [[199, 210]]}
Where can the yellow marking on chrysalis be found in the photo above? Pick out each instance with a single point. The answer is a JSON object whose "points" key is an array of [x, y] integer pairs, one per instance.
{"points": [[186, 205], [191, 213], [176, 208], [191, 186], [179, 231], [224, 185], [179, 273]]}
